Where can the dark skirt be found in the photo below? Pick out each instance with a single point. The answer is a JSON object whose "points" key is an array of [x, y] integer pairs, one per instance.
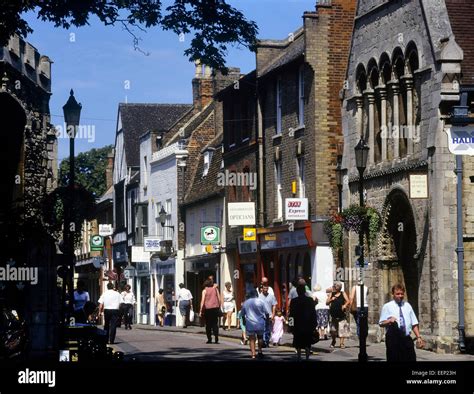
{"points": [[302, 339]]}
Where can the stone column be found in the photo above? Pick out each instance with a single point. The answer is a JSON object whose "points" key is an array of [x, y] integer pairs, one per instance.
{"points": [[382, 92], [359, 115], [395, 89], [408, 81], [369, 94]]}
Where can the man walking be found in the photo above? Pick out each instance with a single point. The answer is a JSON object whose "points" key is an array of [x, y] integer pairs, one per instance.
{"points": [[184, 303], [270, 307], [109, 304], [253, 314], [399, 320]]}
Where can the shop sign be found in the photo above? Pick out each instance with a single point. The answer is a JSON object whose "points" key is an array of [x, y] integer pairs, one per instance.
{"points": [[250, 234], [296, 208], [151, 244], [96, 243], [105, 230], [210, 235], [241, 213], [461, 140]]}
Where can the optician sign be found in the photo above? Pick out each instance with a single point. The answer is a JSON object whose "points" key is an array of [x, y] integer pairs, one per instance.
{"points": [[296, 208], [105, 230], [241, 213], [461, 140]]}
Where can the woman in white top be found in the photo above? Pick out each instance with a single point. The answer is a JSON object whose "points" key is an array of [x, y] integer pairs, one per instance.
{"points": [[322, 311], [228, 304], [128, 300]]}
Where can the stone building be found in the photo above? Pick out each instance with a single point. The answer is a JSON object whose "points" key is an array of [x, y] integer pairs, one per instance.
{"points": [[299, 80], [410, 62], [28, 155]]}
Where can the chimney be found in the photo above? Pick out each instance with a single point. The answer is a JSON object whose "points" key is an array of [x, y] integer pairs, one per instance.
{"points": [[109, 170], [203, 88]]}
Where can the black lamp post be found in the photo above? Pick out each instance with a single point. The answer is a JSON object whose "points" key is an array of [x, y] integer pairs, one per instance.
{"points": [[361, 154], [72, 114], [339, 188]]}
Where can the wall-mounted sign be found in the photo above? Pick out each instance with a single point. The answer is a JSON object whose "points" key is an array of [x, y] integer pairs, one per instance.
{"points": [[151, 244], [461, 140], [105, 230], [139, 255], [210, 235], [418, 186], [296, 208], [241, 213], [250, 234], [96, 243]]}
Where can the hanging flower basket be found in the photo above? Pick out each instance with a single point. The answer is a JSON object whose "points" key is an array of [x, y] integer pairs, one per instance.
{"points": [[356, 219]]}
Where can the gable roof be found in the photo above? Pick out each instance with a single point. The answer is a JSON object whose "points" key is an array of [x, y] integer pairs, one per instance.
{"points": [[137, 119], [461, 14], [203, 187]]}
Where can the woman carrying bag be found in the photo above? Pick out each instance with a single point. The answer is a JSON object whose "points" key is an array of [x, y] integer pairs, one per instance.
{"points": [[338, 303], [211, 309]]}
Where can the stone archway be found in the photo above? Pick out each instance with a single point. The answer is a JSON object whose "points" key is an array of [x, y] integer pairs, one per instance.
{"points": [[397, 247], [11, 161]]}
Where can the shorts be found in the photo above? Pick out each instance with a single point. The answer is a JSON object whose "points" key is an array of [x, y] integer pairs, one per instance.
{"points": [[259, 334]]}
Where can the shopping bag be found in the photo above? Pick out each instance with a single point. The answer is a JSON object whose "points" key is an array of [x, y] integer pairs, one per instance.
{"points": [[344, 329], [191, 315]]}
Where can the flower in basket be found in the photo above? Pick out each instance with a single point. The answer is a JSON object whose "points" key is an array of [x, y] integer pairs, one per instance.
{"points": [[333, 229], [354, 218]]}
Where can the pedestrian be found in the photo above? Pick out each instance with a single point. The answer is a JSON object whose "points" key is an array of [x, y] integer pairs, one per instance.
{"points": [[210, 306], [356, 302], [254, 315], [109, 304], [160, 307], [81, 296], [399, 320], [240, 319], [322, 311], [278, 325], [338, 302], [302, 318], [184, 303], [270, 305], [265, 282], [128, 300], [228, 306]]}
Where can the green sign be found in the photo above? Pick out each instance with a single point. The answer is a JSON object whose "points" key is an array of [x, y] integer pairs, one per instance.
{"points": [[97, 243], [210, 235]]}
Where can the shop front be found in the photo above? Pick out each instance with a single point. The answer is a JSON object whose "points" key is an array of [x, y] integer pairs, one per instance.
{"points": [[163, 277]]}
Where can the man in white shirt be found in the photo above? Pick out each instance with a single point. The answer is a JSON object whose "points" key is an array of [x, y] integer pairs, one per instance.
{"points": [[109, 304], [399, 320], [184, 303], [270, 306]]}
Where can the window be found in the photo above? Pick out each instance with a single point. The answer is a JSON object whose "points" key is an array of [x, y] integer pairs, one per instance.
{"points": [[279, 199], [141, 222], [119, 207], [145, 172], [168, 230], [278, 106], [207, 162], [301, 96], [300, 170]]}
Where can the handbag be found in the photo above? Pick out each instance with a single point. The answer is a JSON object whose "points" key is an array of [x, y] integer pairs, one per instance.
{"points": [[344, 329], [191, 315], [219, 312]]}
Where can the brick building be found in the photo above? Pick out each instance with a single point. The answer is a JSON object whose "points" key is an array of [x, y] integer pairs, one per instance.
{"points": [[299, 80], [410, 63]]}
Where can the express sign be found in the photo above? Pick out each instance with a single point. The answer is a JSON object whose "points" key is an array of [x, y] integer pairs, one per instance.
{"points": [[296, 209]]}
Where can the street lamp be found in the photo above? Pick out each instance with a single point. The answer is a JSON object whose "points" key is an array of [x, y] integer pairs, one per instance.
{"points": [[361, 154], [163, 215], [72, 114]]}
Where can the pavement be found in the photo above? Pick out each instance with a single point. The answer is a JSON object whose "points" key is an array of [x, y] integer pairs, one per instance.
{"points": [[133, 342]]}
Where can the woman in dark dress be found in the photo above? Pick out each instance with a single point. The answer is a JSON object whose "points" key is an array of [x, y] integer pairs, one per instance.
{"points": [[302, 320]]}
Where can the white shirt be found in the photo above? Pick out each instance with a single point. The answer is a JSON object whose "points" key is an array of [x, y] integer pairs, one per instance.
{"points": [[322, 297], [111, 299], [269, 300], [392, 309], [184, 295], [270, 291], [128, 297], [366, 300]]}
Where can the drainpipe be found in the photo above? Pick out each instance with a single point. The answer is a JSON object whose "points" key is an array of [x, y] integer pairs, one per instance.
{"points": [[460, 117]]}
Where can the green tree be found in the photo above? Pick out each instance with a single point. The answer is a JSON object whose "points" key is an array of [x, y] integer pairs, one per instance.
{"points": [[90, 169], [213, 23]]}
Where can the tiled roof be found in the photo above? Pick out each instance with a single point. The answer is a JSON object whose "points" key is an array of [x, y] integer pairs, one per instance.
{"points": [[203, 187], [461, 15], [137, 119]]}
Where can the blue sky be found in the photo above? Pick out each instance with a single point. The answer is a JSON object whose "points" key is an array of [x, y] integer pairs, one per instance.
{"points": [[99, 61]]}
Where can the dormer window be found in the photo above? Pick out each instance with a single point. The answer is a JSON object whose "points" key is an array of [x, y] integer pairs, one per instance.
{"points": [[207, 162]]}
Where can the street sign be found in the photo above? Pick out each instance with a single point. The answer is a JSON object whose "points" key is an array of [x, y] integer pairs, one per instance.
{"points": [[105, 230], [250, 234], [210, 235], [96, 243]]}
